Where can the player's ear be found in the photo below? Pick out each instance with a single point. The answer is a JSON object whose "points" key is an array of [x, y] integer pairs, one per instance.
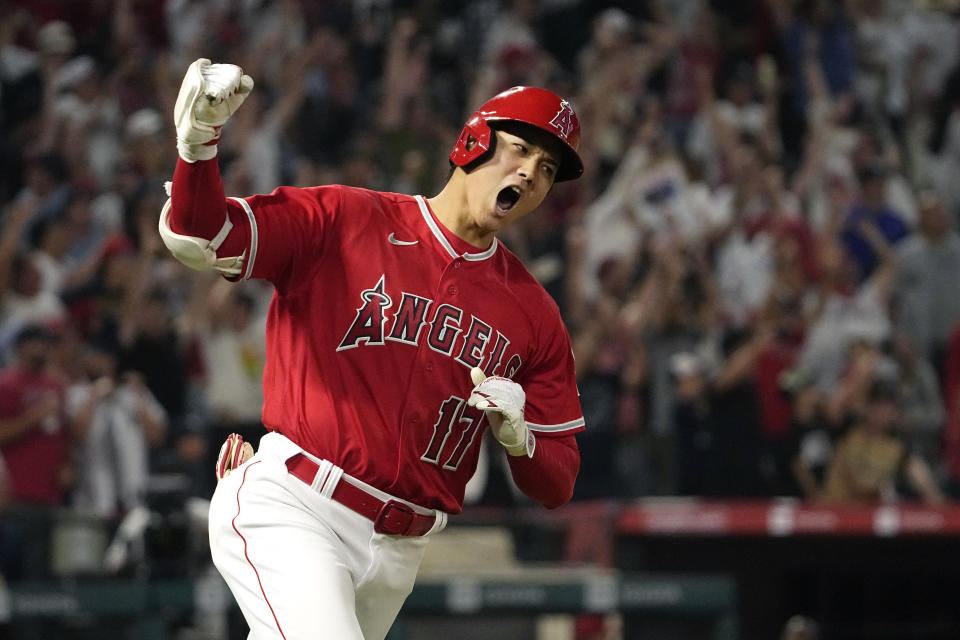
{"points": [[471, 143]]}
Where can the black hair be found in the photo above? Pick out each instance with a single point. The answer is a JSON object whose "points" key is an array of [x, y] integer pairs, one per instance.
{"points": [[884, 389], [32, 332], [53, 164], [533, 134], [875, 170]]}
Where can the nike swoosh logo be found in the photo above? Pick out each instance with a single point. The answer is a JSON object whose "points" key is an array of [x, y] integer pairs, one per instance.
{"points": [[400, 243]]}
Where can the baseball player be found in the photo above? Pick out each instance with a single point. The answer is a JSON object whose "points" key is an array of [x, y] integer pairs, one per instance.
{"points": [[399, 331]]}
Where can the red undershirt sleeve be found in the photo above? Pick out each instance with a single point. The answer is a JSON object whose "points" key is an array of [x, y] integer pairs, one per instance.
{"points": [[199, 204], [549, 476]]}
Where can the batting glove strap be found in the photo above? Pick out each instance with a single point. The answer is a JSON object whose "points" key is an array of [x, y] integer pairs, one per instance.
{"points": [[209, 95], [503, 400], [525, 448]]}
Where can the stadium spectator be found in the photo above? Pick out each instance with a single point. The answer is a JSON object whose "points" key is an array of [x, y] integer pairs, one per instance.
{"points": [[697, 434], [928, 261], [34, 431], [117, 421], [951, 400], [872, 210], [24, 300], [923, 406], [844, 313], [743, 256], [872, 458], [811, 434], [227, 322]]}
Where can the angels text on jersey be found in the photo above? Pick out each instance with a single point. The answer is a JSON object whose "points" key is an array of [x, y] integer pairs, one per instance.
{"points": [[416, 318]]}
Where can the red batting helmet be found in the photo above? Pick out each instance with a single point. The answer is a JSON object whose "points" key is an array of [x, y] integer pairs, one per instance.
{"points": [[534, 106]]}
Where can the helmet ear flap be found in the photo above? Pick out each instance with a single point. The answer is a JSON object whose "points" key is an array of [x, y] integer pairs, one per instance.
{"points": [[475, 140]]}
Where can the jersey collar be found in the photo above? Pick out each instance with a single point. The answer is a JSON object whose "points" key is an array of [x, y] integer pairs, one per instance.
{"points": [[444, 242]]}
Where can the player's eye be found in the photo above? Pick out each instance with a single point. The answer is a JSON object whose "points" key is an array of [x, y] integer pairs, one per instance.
{"points": [[520, 147], [548, 169]]}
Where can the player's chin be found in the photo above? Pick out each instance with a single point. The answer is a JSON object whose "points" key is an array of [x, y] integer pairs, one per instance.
{"points": [[500, 220]]}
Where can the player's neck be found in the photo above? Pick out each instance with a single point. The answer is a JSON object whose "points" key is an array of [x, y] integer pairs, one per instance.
{"points": [[451, 208]]}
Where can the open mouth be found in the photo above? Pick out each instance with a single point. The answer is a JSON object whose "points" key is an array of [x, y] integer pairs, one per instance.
{"points": [[507, 198]]}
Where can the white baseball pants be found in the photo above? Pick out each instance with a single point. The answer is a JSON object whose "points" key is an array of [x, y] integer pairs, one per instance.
{"points": [[300, 565]]}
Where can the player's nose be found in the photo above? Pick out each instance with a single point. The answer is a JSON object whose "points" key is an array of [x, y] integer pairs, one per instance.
{"points": [[528, 168]]}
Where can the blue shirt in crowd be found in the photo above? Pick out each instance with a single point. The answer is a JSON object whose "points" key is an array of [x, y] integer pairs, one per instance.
{"points": [[891, 226]]}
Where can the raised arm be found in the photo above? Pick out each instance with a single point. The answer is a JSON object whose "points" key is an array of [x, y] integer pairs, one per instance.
{"points": [[194, 223]]}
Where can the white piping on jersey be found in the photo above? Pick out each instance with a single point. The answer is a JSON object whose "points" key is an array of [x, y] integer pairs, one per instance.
{"points": [[425, 211], [253, 236], [573, 424]]}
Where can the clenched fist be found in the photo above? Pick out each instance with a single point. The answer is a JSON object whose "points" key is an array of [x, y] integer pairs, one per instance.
{"points": [[209, 95], [502, 400]]}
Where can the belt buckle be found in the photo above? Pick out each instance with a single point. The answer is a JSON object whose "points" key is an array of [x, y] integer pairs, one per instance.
{"points": [[394, 518]]}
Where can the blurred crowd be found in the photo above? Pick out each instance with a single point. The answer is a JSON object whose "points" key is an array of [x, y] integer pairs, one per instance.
{"points": [[758, 268]]}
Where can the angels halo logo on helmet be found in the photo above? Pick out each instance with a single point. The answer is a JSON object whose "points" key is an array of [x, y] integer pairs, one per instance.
{"points": [[530, 105], [564, 120]]}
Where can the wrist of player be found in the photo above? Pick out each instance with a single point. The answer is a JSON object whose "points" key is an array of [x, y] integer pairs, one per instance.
{"points": [[513, 435], [193, 152]]}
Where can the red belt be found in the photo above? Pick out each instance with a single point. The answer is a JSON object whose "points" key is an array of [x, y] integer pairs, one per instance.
{"points": [[392, 517]]}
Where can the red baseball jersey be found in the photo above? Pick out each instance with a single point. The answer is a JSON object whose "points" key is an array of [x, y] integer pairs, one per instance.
{"points": [[378, 316]]}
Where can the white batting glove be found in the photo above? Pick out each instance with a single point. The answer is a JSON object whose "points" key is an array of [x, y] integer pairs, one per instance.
{"points": [[233, 453], [502, 400], [209, 95]]}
